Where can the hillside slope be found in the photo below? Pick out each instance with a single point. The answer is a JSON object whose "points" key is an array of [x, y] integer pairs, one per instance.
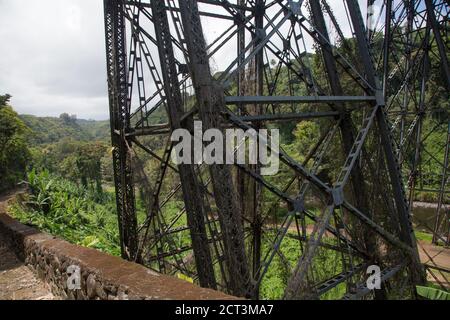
{"points": [[47, 130]]}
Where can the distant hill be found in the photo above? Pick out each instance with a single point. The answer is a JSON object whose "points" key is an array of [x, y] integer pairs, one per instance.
{"points": [[50, 129], [97, 130]]}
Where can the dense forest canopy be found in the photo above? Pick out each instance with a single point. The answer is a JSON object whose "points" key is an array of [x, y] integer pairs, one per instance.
{"points": [[74, 149], [46, 130]]}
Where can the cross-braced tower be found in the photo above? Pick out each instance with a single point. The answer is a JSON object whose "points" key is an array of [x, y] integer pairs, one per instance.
{"points": [[337, 204]]}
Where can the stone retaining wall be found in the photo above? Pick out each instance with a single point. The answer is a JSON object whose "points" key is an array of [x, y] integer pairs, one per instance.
{"points": [[102, 276]]}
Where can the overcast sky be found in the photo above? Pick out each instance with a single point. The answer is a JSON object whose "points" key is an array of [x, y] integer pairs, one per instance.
{"points": [[53, 56]]}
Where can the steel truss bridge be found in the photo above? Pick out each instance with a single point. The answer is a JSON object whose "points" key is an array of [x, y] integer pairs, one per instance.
{"points": [[362, 74]]}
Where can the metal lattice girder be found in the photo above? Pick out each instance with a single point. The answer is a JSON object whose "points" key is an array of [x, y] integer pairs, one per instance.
{"points": [[362, 289], [209, 98], [423, 37], [387, 141], [193, 198], [293, 99], [369, 132], [439, 41], [337, 279], [298, 286], [119, 110]]}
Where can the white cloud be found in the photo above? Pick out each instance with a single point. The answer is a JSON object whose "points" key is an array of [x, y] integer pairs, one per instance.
{"points": [[53, 58]]}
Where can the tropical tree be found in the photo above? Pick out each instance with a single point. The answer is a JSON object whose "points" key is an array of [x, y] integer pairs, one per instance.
{"points": [[14, 153]]}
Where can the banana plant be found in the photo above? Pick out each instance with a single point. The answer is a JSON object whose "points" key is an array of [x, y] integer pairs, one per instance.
{"points": [[430, 293]]}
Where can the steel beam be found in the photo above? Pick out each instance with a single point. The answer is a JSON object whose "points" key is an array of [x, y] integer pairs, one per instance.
{"points": [[362, 289], [430, 6], [290, 116], [210, 105], [233, 100], [192, 193], [116, 57], [407, 232]]}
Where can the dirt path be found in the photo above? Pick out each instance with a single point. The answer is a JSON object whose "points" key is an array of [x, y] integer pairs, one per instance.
{"points": [[435, 256], [5, 197], [17, 282], [429, 255]]}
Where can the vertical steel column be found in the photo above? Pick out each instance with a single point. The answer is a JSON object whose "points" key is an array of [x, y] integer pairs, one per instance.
{"points": [[254, 188], [386, 44], [241, 90], [407, 232], [211, 103], [192, 193], [116, 56], [241, 48], [439, 41], [420, 115], [409, 75], [346, 125], [437, 222]]}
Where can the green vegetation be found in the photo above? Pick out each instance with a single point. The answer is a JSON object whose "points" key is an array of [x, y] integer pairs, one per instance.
{"points": [[423, 236], [430, 293], [88, 218], [47, 130], [274, 283], [97, 130], [63, 208], [69, 168], [14, 153], [88, 163]]}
